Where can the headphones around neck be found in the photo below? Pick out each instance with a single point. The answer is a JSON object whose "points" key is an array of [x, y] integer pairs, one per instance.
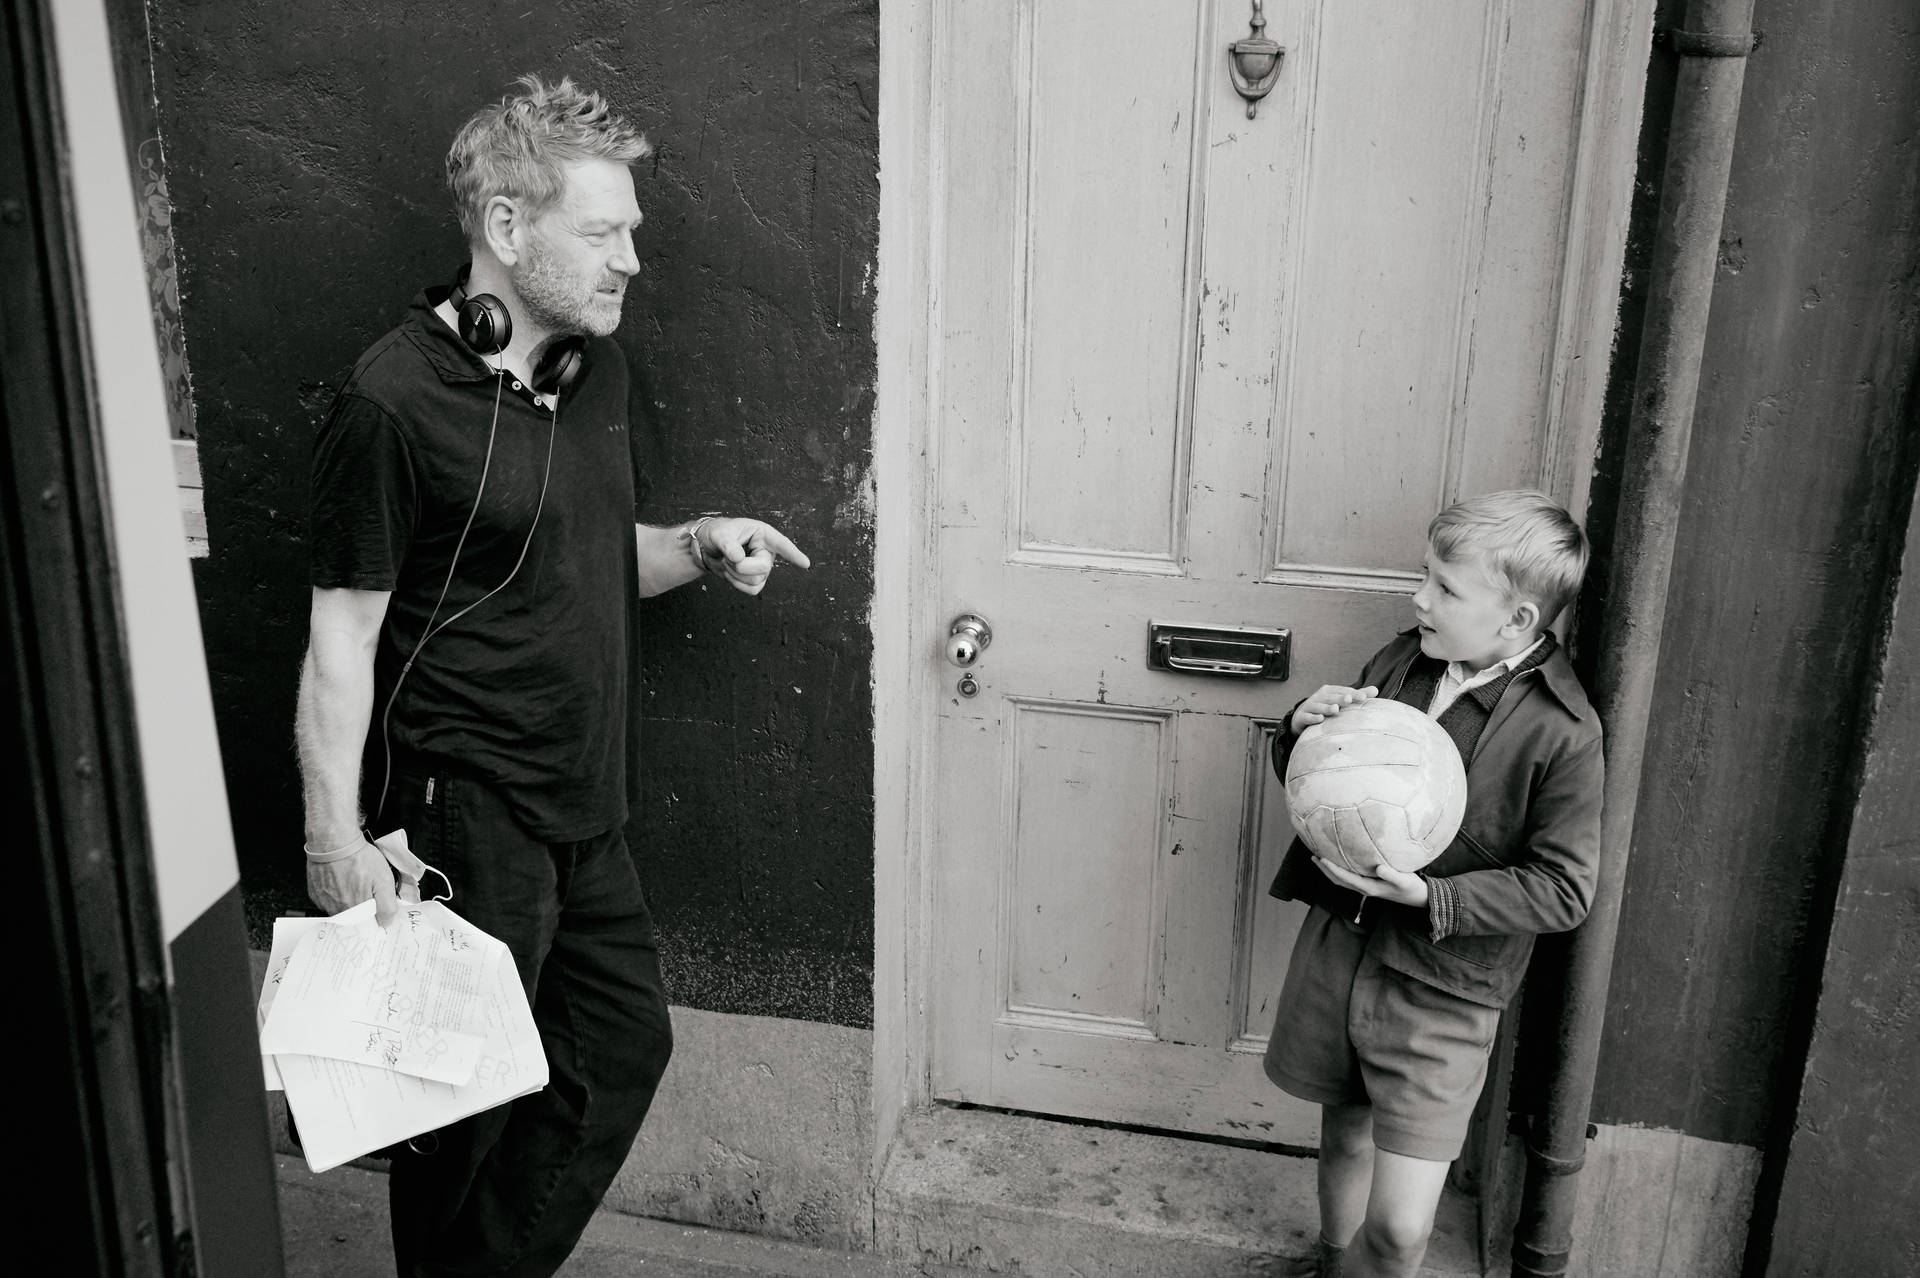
{"points": [[486, 326]]}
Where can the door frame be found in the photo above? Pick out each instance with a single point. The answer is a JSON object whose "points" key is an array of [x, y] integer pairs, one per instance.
{"points": [[138, 968], [907, 603]]}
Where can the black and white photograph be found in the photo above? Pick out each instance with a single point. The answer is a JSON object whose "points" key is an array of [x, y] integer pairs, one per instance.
{"points": [[927, 638]]}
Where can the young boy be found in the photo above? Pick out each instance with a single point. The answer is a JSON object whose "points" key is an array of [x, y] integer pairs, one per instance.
{"points": [[1390, 1005]]}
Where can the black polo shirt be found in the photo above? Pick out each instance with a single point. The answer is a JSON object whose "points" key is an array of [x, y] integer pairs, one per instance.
{"points": [[529, 691]]}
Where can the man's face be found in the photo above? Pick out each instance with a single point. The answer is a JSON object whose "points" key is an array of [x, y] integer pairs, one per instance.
{"points": [[1463, 616], [572, 276]]}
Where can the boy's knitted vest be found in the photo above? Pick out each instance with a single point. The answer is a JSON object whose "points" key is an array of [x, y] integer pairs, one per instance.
{"points": [[1467, 717]]}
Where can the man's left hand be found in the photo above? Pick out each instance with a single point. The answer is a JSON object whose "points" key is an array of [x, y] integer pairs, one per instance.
{"points": [[744, 551], [1385, 882]]}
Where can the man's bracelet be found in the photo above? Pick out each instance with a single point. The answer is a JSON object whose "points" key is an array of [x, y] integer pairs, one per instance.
{"points": [[692, 533], [340, 853]]}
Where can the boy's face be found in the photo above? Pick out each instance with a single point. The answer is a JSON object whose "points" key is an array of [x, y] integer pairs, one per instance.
{"points": [[1464, 617]]}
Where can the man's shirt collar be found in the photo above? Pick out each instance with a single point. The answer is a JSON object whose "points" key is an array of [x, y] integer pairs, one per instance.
{"points": [[452, 359]]}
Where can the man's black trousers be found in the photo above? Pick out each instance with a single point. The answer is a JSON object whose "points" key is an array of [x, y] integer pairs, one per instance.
{"points": [[508, 1191]]}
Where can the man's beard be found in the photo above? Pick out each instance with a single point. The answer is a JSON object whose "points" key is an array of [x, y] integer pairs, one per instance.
{"points": [[557, 300]]}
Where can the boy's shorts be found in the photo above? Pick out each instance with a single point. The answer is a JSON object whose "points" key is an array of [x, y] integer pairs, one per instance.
{"points": [[1350, 1031]]}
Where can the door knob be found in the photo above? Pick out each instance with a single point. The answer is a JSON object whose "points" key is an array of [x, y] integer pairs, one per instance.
{"points": [[967, 638]]}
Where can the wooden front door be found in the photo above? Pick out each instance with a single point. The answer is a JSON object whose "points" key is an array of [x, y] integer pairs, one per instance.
{"points": [[1195, 367]]}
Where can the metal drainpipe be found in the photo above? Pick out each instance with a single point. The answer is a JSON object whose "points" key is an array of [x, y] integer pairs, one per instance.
{"points": [[1712, 47]]}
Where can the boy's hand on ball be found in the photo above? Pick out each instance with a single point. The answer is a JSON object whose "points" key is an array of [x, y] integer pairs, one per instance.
{"points": [[1326, 703], [1385, 882]]}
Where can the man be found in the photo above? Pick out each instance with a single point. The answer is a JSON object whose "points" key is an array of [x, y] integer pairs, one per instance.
{"points": [[477, 569]]}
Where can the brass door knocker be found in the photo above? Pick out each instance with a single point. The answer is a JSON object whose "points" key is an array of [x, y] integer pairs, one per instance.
{"points": [[1254, 63]]}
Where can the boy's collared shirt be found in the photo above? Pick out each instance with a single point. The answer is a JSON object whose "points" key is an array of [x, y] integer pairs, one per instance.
{"points": [[1457, 679]]}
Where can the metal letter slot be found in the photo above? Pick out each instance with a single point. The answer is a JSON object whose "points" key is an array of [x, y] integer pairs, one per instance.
{"points": [[1236, 652]]}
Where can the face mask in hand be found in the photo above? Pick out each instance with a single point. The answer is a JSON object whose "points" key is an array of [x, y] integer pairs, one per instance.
{"points": [[410, 868]]}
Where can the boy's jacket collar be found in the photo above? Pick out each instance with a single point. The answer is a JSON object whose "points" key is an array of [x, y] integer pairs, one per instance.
{"points": [[1556, 675]]}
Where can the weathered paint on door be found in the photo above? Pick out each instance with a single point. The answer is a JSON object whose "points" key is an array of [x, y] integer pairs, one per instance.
{"points": [[1191, 366]]}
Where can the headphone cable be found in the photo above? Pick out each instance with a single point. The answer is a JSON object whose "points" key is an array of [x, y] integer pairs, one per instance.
{"points": [[430, 629]]}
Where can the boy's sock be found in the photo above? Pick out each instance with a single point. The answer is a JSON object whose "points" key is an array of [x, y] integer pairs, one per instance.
{"points": [[1325, 1262]]}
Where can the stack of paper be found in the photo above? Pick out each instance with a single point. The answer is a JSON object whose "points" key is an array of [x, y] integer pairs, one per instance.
{"points": [[379, 1034]]}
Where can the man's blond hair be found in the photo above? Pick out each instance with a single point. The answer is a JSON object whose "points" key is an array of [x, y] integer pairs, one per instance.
{"points": [[520, 147], [1529, 545]]}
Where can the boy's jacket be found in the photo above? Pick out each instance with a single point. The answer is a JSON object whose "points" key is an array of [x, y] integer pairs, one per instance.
{"points": [[1528, 851]]}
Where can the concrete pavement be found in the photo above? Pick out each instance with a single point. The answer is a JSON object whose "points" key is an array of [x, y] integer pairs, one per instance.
{"points": [[334, 1225]]}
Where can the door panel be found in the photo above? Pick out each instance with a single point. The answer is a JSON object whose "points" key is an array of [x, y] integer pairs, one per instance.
{"points": [[1086, 798], [1392, 166], [1090, 430], [1191, 366]]}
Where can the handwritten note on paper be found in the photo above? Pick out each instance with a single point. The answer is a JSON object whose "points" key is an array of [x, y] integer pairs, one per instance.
{"points": [[287, 933], [346, 1108], [404, 997]]}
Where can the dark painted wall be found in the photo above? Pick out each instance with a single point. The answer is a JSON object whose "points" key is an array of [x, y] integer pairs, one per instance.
{"points": [[1794, 513], [305, 148]]}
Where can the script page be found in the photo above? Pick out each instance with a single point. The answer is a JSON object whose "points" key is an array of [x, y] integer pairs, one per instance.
{"points": [[405, 997], [347, 1106]]}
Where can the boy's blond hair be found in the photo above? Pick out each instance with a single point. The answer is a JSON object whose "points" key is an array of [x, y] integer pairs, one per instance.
{"points": [[521, 146], [1529, 545]]}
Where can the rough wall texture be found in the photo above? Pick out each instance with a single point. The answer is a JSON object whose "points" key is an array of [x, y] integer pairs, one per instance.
{"points": [[132, 52], [1796, 487], [759, 1128], [1848, 1181], [305, 146]]}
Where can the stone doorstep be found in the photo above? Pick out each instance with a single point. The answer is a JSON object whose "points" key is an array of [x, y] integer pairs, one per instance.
{"points": [[1019, 1195]]}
